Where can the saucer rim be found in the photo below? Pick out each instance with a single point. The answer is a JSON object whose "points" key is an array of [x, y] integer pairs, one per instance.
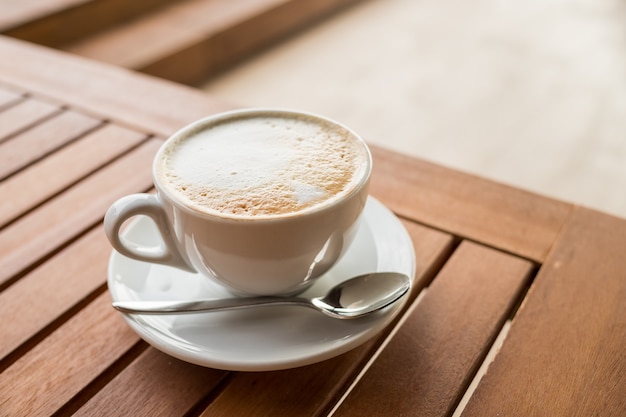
{"points": [[157, 337]]}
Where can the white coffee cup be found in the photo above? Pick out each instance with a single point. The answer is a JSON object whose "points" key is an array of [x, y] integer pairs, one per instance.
{"points": [[262, 200]]}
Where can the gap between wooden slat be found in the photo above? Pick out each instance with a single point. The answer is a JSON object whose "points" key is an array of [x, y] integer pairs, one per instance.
{"points": [[368, 381], [43, 173], [566, 346], [54, 371], [435, 269], [15, 268], [105, 116], [198, 409], [460, 238], [495, 346], [31, 119], [382, 346], [35, 264], [34, 340], [19, 343], [14, 161], [75, 403]]}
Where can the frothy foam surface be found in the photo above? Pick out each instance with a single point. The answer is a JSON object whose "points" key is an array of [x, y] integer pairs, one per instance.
{"points": [[262, 165]]}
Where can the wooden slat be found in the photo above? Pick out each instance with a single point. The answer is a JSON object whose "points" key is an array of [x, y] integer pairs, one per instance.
{"points": [[23, 115], [41, 231], [13, 13], [308, 390], [428, 364], [63, 168], [194, 39], [57, 286], [64, 22], [173, 388], [58, 368], [564, 354], [133, 45], [497, 215], [146, 103], [47, 136]]}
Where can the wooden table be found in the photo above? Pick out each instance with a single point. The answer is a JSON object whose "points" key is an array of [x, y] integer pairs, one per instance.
{"points": [[519, 306]]}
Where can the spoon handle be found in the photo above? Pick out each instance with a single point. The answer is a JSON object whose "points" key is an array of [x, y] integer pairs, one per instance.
{"points": [[217, 304]]}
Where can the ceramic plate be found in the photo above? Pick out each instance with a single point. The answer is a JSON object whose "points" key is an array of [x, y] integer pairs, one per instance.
{"points": [[268, 338]]}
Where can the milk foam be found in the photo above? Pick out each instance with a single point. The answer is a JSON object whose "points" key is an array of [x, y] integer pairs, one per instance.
{"points": [[262, 165]]}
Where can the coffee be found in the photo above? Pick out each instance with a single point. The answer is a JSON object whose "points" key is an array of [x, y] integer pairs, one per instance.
{"points": [[262, 164]]}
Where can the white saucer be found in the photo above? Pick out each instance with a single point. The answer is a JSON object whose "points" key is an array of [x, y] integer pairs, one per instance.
{"points": [[268, 338]]}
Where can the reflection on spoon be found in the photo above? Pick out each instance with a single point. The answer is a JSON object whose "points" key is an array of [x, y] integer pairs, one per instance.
{"points": [[353, 298]]}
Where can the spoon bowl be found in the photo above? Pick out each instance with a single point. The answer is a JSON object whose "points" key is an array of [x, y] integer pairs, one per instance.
{"points": [[353, 298]]}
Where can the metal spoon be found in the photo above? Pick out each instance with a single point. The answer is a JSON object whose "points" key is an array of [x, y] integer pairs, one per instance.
{"points": [[353, 298]]}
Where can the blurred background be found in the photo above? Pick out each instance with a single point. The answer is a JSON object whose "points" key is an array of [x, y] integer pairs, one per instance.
{"points": [[529, 93]]}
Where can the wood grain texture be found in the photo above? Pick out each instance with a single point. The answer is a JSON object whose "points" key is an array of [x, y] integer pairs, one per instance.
{"points": [[309, 390], [173, 388], [565, 350], [148, 104], [57, 286], [45, 137], [23, 115], [58, 368], [66, 216], [427, 365], [61, 169], [497, 215]]}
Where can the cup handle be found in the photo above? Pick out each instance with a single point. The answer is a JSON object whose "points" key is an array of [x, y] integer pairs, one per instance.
{"points": [[148, 205]]}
